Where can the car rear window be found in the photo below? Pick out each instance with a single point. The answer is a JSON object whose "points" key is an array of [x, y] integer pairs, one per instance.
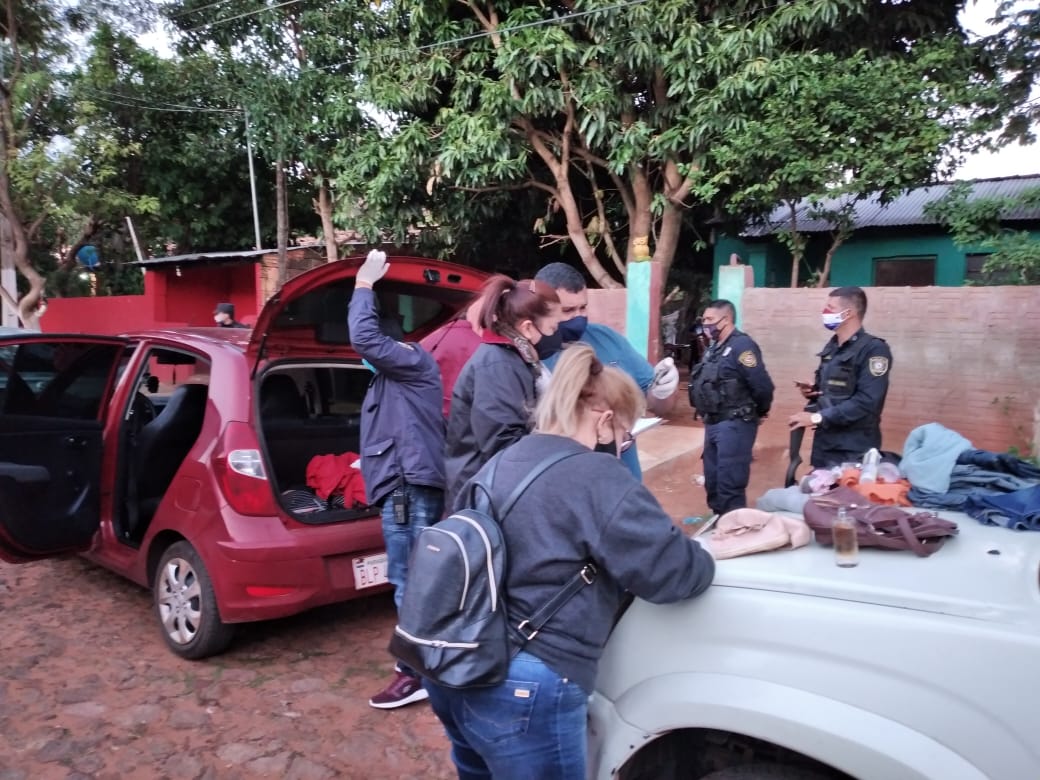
{"points": [[325, 310]]}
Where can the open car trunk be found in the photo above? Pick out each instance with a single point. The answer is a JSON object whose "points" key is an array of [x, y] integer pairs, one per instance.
{"points": [[311, 383], [310, 426]]}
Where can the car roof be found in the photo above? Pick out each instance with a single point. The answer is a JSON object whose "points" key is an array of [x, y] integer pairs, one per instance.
{"points": [[234, 337], [985, 572]]}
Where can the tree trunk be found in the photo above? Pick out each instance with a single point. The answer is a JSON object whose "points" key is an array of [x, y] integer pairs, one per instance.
{"points": [[282, 220], [327, 228], [796, 249], [825, 274]]}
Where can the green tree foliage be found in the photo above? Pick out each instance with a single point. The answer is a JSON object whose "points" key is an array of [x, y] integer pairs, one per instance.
{"points": [[292, 67], [980, 224], [603, 109], [841, 129]]}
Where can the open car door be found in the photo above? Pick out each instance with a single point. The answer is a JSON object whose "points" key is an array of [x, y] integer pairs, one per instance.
{"points": [[54, 394]]}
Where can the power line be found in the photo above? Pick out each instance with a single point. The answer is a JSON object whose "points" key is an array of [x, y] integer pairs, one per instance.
{"points": [[188, 11], [241, 16], [110, 98]]}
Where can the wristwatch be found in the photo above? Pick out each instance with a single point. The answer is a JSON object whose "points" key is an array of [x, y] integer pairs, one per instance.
{"points": [[816, 418]]}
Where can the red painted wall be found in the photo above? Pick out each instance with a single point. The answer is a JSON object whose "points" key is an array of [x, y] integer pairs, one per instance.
{"points": [[169, 300]]}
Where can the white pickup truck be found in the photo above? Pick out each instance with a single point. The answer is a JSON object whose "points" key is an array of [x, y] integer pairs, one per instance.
{"points": [[790, 668]]}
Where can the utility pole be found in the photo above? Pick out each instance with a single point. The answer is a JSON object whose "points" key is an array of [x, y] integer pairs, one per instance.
{"points": [[252, 184]]}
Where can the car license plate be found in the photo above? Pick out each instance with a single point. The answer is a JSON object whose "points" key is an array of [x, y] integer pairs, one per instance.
{"points": [[370, 571]]}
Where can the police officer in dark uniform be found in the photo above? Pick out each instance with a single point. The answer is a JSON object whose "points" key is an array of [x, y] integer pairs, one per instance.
{"points": [[848, 394], [731, 391]]}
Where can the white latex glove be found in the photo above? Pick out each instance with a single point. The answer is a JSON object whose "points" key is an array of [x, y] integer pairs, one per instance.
{"points": [[666, 379], [373, 269]]}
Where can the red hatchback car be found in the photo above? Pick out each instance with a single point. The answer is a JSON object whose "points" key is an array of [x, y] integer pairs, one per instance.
{"points": [[178, 458]]}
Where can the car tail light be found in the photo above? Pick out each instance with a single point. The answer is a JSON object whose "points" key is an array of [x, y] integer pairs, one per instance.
{"points": [[240, 471]]}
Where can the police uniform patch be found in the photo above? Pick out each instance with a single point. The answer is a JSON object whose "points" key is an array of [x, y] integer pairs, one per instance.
{"points": [[747, 358], [878, 365]]}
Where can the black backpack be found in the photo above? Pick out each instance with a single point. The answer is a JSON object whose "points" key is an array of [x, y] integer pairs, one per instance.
{"points": [[452, 625]]}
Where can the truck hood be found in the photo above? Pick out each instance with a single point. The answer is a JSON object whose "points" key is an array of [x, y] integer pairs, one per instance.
{"points": [[985, 572]]}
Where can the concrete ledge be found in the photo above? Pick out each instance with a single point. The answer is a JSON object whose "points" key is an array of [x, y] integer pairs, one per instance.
{"points": [[663, 444]]}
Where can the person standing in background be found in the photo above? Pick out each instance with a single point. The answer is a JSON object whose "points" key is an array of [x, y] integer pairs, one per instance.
{"points": [[731, 391], [847, 396], [659, 382]]}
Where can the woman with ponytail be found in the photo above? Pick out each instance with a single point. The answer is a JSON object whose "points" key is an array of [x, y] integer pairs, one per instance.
{"points": [[586, 508], [495, 394]]}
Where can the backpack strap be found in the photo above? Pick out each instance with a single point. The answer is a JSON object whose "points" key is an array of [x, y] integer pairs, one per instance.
{"points": [[536, 472], [528, 629]]}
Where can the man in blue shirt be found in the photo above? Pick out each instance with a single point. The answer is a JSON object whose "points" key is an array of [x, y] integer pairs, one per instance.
{"points": [[660, 382]]}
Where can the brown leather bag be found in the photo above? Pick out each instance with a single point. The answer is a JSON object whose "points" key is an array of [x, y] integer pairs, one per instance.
{"points": [[888, 527]]}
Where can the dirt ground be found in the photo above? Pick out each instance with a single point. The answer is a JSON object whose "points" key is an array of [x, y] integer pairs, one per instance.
{"points": [[88, 690]]}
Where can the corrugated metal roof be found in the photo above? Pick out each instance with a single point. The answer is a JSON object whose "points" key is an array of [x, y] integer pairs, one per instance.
{"points": [[906, 209], [245, 254]]}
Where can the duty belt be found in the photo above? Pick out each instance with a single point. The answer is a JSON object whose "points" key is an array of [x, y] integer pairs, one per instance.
{"points": [[731, 414]]}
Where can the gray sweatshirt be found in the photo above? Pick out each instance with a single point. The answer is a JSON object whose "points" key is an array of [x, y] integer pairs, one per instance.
{"points": [[588, 507]]}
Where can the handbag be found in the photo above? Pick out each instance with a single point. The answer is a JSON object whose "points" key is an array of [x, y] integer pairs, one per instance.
{"points": [[748, 531], [877, 525]]}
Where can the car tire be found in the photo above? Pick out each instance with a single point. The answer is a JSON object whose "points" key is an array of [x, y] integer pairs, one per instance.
{"points": [[186, 605], [764, 772]]}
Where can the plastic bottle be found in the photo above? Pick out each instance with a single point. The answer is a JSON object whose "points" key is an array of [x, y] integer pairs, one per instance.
{"points": [[846, 545], [868, 473]]}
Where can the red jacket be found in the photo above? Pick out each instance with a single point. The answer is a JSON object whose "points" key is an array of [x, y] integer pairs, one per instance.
{"points": [[451, 346]]}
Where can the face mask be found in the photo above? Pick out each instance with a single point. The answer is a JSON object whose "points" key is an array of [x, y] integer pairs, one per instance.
{"points": [[573, 329], [368, 365], [833, 319], [610, 448], [218, 318], [549, 345], [711, 331]]}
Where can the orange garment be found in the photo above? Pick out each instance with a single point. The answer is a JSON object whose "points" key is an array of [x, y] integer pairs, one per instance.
{"points": [[892, 493], [329, 474]]}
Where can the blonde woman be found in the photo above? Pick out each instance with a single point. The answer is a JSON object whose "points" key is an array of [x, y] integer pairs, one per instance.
{"points": [[587, 508]]}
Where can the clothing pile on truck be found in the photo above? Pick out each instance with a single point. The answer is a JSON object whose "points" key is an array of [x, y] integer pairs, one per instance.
{"points": [[946, 471]]}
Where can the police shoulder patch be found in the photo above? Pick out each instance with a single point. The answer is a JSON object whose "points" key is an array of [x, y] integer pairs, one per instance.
{"points": [[747, 358], [878, 365]]}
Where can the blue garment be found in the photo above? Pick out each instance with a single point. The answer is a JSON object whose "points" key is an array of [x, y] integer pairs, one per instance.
{"points": [[853, 382], [966, 481], [1019, 509], [425, 505], [613, 349], [929, 455], [727, 463], [999, 461], [402, 428], [531, 727]]}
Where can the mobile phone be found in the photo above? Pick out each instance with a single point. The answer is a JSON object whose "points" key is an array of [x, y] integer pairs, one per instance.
{"points": [[400, 503]]}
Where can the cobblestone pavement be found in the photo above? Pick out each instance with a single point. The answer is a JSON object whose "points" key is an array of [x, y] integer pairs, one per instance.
{"points": [[88, 689]]}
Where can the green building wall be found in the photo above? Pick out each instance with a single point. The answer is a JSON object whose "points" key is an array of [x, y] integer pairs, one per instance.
{"points": [[853, 263]]}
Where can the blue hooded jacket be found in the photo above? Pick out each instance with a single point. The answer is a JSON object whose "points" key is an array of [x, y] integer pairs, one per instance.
{"points": [[402, 427]]}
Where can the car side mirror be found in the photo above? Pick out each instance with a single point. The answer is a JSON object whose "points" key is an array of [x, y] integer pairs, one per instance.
{"points": [[152, 384]]}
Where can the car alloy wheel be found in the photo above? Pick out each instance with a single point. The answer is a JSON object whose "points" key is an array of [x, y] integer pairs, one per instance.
{"points": [[186, 605]]}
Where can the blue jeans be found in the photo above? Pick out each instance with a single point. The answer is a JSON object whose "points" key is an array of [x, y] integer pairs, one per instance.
{"points": [[531, 727], [727, 463], [425, 506]]}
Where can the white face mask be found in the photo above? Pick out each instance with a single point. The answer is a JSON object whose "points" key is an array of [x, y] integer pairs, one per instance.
{"points": [[218, 318]]}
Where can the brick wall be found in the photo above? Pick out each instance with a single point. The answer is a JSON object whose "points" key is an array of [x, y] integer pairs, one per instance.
{"points": [[966, 357]]}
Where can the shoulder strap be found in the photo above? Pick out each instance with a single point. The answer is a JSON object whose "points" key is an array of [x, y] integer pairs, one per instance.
{"points": [[536, 472]]}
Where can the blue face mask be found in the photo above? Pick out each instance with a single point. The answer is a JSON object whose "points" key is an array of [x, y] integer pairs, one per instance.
{"points": [[369, 366], [573, 329]]}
